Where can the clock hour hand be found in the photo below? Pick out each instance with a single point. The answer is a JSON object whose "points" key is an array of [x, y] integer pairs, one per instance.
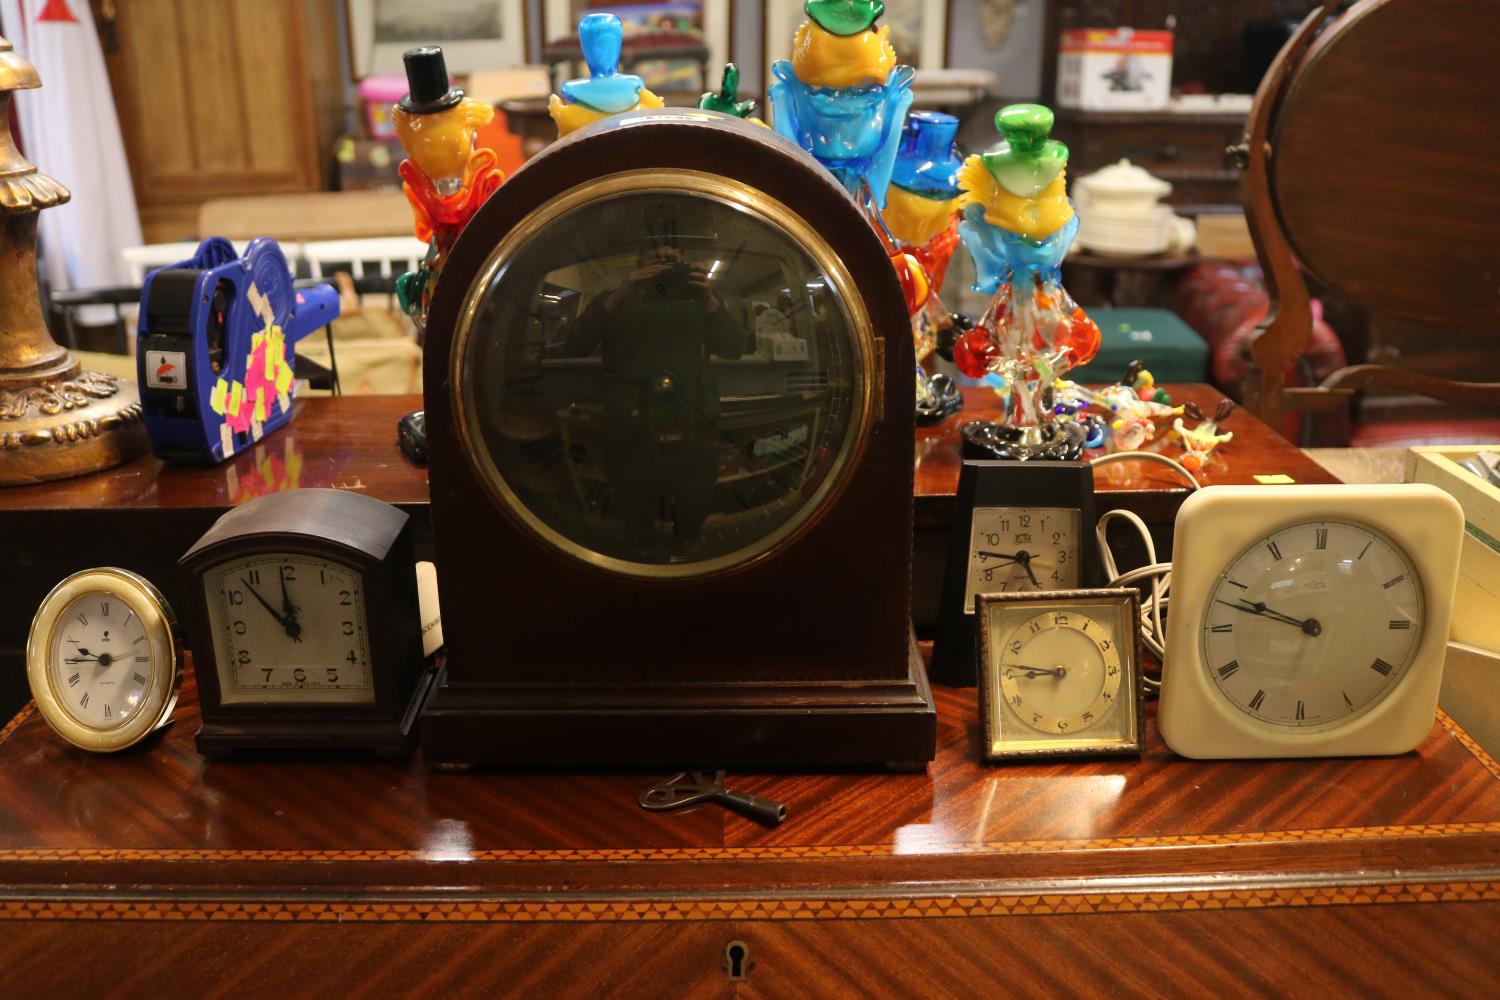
{"points": [[1034, 672], [1025, 559], [289, 625], [287, 607], [1309, 626]]}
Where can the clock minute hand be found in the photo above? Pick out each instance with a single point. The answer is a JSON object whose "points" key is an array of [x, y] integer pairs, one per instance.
{"points": [[293, 630], [982, 553], [1309, 626]]}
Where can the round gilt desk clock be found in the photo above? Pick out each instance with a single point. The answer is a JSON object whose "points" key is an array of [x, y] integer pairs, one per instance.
{"points": [[670, 429]]}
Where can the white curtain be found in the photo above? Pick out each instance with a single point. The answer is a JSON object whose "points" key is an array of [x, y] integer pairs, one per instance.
{"points": [[69, 129]]}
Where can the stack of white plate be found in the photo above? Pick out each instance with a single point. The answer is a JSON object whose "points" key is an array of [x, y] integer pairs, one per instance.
{"points": [[1120, 214]]}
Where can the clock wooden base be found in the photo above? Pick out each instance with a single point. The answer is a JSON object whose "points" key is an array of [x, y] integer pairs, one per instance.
{"points": [[383, 737], [786, 723]]}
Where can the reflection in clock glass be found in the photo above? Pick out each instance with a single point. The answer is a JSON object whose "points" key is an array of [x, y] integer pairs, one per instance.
{"points": [[1314, 624], [660, 377]]}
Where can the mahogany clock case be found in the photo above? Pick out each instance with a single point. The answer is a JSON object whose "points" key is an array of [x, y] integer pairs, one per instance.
{"points": [[374, 540], [801, 655], [985, 483]]}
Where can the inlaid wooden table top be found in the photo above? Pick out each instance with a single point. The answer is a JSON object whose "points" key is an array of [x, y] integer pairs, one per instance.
{"points": [[163, 817]]}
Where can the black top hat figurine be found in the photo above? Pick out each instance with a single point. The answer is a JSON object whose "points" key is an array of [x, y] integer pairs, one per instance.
{"points": [[427, 82]]}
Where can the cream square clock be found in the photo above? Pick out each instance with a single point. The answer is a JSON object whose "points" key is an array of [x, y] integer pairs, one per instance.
{"points": [[1308, 621]]}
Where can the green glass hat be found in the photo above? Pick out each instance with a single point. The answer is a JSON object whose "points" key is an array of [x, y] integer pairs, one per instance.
{"points": [[844, 17], [1025, 126], [727, 99]]}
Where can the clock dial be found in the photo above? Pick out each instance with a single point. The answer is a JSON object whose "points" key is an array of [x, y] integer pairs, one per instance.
{"points": [[1313, 624], [1060, 672], [1022, 548], [289, 629], [665, 376], [100, 660]]}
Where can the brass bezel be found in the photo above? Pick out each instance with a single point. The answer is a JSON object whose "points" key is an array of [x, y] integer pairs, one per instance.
{"points": [[160, 627], [1118, 600], [736, 195]]}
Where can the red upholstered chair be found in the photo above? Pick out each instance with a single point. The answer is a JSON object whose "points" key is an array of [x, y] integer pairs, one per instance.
{"points": [[1372, 163]]}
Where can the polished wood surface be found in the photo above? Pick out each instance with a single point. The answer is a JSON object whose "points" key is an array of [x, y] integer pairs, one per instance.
{"points": [[1347, 85], [1335, 877], [1255, 451], [343, 442], [349, 442]]}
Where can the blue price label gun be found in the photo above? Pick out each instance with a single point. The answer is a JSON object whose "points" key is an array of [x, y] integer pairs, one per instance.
{"points": [[214, 348]]}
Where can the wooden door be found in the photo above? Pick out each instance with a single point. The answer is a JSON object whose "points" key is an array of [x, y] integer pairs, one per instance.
{"points": [[215, 99]]}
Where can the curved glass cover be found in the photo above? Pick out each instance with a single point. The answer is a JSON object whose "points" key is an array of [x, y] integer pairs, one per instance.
{"points": [[663, 381]]}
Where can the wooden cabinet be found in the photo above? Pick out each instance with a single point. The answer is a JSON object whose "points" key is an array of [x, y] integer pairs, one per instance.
{"points": [[1187, 151], [215, 99], [1216, 47], [291, 876]]}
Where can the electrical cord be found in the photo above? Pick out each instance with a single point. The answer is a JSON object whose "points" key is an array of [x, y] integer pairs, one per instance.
{"points": [[1152, 631]]}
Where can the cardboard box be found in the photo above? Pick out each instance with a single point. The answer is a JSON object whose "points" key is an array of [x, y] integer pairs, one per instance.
{"points": [[1114, 69], [1476, 608]]}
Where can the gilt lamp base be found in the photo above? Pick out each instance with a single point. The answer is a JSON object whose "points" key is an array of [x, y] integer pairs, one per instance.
{"points": [[78, 422]]}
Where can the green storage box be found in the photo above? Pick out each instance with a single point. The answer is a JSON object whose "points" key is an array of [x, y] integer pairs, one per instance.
{"points": [[1158, 338]]}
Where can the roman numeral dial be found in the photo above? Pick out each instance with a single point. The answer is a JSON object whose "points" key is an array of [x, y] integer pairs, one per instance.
{"points": [[101, 660], [1312, 624]]}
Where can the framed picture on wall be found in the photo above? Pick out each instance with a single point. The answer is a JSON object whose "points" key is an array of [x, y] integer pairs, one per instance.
{"points": [[709, 22], [919, 31], [475, 34]]}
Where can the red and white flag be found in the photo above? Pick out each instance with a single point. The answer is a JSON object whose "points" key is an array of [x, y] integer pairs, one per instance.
{"points": [[70, 131]]}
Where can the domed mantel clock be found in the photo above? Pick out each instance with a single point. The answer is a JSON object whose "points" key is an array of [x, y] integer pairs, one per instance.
{"points": [[668, 388]]}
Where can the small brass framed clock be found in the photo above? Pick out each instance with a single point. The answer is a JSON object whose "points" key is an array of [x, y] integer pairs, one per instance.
{"points": [[102, 659], [305, 625], [1059, 674], [1017, 527]]}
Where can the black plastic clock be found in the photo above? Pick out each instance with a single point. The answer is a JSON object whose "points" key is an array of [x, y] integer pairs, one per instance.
{"points": [[1017, 526], [305, 625]]}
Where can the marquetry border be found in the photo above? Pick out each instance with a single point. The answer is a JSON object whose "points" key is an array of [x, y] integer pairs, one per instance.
{"points": [[645, 911], [1469, 743], [15, 722], [788, 852]]}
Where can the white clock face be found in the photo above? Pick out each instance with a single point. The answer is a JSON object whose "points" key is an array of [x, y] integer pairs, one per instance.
{"points": [[1313, 624], [289, 629], [1060, 672], [1022, 548], [100, 660]]}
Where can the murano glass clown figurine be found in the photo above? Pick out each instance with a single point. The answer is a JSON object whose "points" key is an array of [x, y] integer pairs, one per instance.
{"points": [[1018, 225], [842, 97], [844, 100], [921, 212], [606, 91], [445, 177]]}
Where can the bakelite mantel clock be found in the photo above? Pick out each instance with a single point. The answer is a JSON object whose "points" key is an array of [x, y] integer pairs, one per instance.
{"points": [[670, 423]]}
